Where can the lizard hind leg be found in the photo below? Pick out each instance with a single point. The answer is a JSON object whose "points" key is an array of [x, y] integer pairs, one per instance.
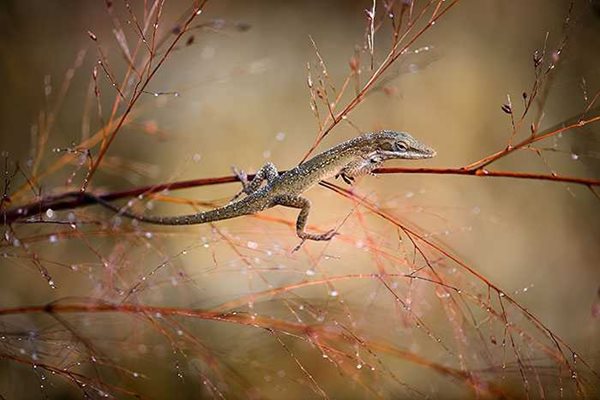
{"points": [[304, 205], [267, 172]]}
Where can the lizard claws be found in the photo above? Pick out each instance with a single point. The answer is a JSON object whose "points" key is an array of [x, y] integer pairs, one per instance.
{"points": [[299, 246], [240, 174], [329, 234], [243, 178], [348, 179]]}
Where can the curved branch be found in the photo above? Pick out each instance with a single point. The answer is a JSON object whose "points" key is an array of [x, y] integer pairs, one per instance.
{"points": [[75, 199]]}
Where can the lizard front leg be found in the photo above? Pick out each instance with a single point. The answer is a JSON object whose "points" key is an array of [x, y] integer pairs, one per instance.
{"points": [[267, 172], [361, 166], [304, 205]]}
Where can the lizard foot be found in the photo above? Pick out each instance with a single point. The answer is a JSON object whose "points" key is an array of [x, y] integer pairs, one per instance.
{"points": [[318, 237], [311, 236]]}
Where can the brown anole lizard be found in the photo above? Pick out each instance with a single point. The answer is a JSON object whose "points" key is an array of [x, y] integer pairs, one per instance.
{"points": [[350, 159]]}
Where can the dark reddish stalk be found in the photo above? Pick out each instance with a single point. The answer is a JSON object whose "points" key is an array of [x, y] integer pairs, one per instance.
{"points": [[75, 199], [482, 172]]}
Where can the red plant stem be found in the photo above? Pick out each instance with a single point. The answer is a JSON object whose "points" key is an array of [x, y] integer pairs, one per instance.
{"points": [[74, 199], [482, 172]]}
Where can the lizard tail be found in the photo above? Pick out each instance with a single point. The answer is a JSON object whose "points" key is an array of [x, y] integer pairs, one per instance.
{"points": [[232, 210]]}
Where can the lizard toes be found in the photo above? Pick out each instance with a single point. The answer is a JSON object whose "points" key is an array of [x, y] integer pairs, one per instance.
{"points": [[239, 173], [330, 234]]}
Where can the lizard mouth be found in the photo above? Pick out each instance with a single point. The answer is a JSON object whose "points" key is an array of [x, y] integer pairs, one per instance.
{"points": [[420, 152], [428, 152], [410, 154]]}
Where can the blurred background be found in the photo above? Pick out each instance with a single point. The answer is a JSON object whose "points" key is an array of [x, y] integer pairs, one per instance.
{"points": [[234, 92]]}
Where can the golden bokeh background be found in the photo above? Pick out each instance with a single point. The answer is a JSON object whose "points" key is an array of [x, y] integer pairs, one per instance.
{"points": [[242, 99]]}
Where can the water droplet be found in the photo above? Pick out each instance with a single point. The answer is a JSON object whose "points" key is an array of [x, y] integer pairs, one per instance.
{"points": [[53, 239], [252, 245], [334, 293], [574, 156], [50, 213], [358, 366], [280, 136], [196, 157], [310, 272]]}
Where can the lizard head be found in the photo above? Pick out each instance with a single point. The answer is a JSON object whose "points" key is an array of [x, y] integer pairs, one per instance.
{"points": [[389, 145], [377, 147]]}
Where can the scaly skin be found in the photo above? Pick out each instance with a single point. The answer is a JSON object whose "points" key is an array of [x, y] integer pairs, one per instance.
{"points": [[355, 157]]}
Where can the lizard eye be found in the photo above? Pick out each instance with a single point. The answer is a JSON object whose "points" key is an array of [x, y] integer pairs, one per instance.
{"points": [[401, 147]]}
